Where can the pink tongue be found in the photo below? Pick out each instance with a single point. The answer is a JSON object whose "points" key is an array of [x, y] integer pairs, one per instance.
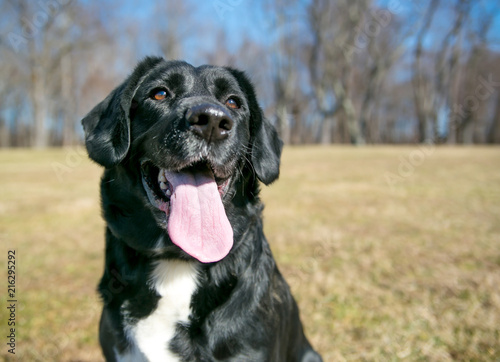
{"points": [[198, 223]]}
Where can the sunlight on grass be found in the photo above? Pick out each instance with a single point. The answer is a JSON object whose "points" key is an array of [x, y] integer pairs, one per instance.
{"points": [[380, 273]]}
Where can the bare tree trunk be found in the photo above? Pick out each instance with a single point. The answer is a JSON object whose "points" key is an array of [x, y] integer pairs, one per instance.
{"points": [[420, 88], [285, 69], [68, 136], [453, 99], [494, 130], [354, 132], [478, 127], [341, 134], [469, 116], [445, 65], [283, 122], [326, 131], [388, 136], [364, 112], [40, 135], [298, 130], [374, 129], [329, 68], [4, 134]]}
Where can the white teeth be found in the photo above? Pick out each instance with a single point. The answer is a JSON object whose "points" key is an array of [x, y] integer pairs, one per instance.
{"points": [[162, 181], [161, 177]]}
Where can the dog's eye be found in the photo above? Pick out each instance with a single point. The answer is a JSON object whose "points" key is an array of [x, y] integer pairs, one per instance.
{"points": [[159, 94], [232, 103]]}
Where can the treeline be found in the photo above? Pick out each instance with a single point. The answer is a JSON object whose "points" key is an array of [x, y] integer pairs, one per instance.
{"points": [[327, 71]]}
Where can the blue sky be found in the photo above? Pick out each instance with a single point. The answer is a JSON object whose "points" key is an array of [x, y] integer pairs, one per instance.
{"points": [[240, 19]]}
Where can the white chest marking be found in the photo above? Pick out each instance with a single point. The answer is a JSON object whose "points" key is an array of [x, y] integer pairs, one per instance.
{"points": [[175, 282]]}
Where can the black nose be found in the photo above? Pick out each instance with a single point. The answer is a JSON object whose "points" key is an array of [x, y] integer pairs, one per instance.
{"points": [[209, 121]]}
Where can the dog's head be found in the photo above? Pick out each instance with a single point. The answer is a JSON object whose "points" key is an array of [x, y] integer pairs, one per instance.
{"points": [[176, 142]]}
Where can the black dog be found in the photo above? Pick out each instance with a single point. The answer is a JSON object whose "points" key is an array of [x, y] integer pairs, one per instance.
{"points": [[189, 275]]}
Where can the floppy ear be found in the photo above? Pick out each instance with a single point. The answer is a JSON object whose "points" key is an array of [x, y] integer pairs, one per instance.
{"points": [[107, 126], [265, 143], [266, 150]]}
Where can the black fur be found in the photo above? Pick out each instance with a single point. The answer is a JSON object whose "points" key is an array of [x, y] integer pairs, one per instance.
{"points": [[243, 309]]}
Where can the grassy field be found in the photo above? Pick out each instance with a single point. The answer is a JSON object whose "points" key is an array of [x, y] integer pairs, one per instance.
{"points": [[392, 253]]}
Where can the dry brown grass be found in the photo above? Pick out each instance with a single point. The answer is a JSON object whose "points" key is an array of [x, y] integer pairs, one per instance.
{"points": [[409, 272]]}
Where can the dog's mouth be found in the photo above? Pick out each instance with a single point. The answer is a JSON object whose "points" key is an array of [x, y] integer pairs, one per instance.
{"points": [[159, 189], [191, 199]]}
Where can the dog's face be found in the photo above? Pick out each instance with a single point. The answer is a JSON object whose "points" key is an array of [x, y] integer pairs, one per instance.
{"points": [[177, 141]]}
